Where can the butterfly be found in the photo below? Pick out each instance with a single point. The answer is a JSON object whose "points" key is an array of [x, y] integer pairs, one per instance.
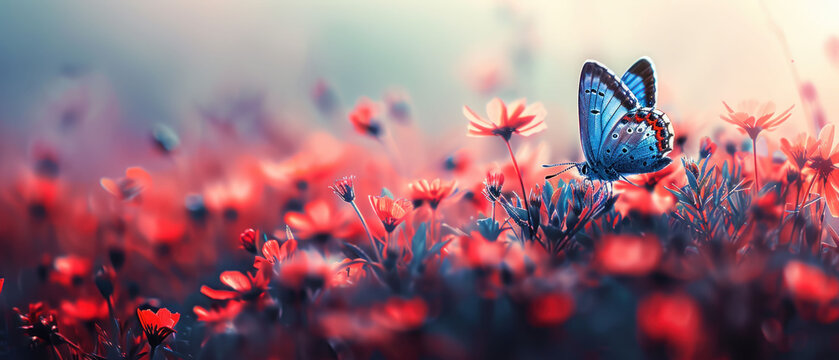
{"points": [[621, 131]]}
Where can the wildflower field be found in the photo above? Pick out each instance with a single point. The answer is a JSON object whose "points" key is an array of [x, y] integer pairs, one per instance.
{"points": [[357, 181]]}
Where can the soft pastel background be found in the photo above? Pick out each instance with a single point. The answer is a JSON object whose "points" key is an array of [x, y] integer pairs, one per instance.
{"points": [[140, 63]]}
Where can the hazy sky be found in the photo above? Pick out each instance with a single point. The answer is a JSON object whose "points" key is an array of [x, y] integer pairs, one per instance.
{"points": [[162, 58]]}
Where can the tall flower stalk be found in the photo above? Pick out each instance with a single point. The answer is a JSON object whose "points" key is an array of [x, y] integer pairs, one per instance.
{"points": [[344, 188], [432, 193], [519, 118], [752, 118]]}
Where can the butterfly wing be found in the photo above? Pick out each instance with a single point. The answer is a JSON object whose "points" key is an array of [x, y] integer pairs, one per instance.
{"points": [[641, 80], [639, 142], [603, 100]]}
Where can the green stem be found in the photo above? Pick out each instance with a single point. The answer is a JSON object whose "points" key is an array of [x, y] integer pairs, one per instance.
{"points": [[366, 229], [521, 181]]}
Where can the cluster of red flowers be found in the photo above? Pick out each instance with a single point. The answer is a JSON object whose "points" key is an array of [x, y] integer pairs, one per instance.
{"points": [[238, 249]]}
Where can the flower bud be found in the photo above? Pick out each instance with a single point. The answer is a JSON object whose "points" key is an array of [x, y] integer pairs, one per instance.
{"points": [[248, 240], [104, 282]]}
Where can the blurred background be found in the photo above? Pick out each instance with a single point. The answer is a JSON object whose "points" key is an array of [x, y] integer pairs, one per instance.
{"points": [[123, 67]]}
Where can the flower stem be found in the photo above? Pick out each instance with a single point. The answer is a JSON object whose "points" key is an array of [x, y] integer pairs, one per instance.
{"points": [[57, 353], [754, 153], [798, 207], [432, 227], [366, 229], [807, 194], [521, 181], [493, 211], [116, 332], [151, 352]]}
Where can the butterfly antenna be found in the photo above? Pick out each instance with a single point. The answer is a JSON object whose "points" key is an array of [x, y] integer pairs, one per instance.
{"points": [[559, 164], [573, 165]]}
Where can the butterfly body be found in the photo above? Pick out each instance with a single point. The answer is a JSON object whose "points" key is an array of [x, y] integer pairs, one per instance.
{"points": [[621, 131]]}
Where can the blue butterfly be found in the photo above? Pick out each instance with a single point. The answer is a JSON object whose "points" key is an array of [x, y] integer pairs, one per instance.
{"points": [[621, 131]]}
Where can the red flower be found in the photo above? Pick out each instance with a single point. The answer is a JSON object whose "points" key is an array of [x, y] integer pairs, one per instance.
{"points": [[391, 212], [232, 197], [520, 119], [71, 270], [823, 166], [363, 118], [157, 325], [344, 188], [810, 283], [628, 255], [401, 314], [480, 253], [135, 181], [706, 147], [319, 222], [38, 323], [245, 287], [752, 117], [493, 183], [248, 240], [85, 309], [651, 195], [219, 313], [2, 280], [274, 253], [800, 151], [305, 269], [674, 319], [550, 309], [432, 192]]}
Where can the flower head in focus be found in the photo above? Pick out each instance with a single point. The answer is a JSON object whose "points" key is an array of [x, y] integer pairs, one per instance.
{"points": [[503, 121], [248, 239], [157, 325], [390, 212], [344, 188], [493, 184]]}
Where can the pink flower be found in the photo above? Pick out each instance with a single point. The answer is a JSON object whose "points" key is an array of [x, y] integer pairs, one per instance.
{"points": [[519, 118]]}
